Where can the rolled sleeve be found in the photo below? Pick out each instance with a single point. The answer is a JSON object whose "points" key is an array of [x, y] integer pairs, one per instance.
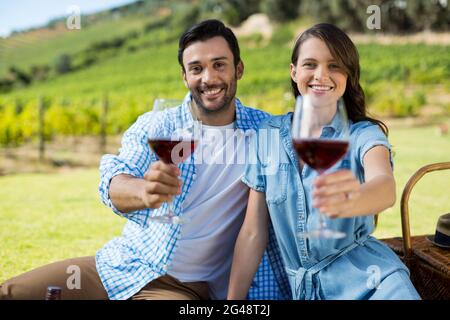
{"points": [[253, 175], [253, 179], [369, 138], [134, 159], [110, 167]]}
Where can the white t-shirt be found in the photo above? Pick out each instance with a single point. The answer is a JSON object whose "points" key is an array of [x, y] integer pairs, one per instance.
{"points": [[215, 206]]}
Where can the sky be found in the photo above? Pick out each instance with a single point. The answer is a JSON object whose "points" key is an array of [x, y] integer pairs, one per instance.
{"points": [[23, 14]]}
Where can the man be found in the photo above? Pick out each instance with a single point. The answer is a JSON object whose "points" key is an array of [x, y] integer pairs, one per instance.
{"points": [[167, 261]]}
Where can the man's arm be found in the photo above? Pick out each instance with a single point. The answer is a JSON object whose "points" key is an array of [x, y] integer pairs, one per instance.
{"points": [[160, 184], [250, 245], [134, 180]]}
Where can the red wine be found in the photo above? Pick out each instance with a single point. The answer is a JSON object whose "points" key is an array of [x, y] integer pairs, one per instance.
{"points": [[163, 149], [320, 154]]}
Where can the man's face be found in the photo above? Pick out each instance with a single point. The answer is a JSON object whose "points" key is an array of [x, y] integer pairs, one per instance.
{"points": [[210, 74]]}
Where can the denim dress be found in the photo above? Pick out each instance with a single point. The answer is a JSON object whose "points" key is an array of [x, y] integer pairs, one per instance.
{"points": [[355, 267]]}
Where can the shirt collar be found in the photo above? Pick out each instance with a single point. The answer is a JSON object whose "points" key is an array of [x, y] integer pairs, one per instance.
{"points": [[285, 122], [186, 111], [329, 129], [335, 127]]}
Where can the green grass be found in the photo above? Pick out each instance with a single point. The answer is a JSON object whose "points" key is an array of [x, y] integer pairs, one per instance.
{"points": [[48, 217], [414, 148], [154, 70], [399, 80], [28, 49], [133, 79]]}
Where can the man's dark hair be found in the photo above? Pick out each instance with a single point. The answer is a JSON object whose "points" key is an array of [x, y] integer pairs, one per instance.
{"points": [[206, 30]]}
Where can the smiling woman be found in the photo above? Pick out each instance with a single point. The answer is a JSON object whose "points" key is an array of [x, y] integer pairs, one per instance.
{"points": [[317, 73], [338, 61], [327, 265]]}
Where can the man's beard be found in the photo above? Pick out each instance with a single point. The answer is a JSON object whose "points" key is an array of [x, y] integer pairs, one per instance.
{"points": [[221, 105]]}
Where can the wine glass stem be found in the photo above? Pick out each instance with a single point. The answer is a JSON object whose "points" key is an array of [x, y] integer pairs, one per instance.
{"points": [[322, 221], [171, 207]]}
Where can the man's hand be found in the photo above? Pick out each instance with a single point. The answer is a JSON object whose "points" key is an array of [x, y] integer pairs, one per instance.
{"points": [[161, 184]]}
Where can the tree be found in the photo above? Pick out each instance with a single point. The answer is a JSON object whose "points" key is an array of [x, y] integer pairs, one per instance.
{"points": [[40, 72], [429, 15], [236, 11], [19, 76], [63, 64], [281, 10]]}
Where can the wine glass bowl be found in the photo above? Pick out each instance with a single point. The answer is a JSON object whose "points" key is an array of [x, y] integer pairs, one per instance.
{"points": [[320, 154], [318, 148], [173, 148], [172, 151]]}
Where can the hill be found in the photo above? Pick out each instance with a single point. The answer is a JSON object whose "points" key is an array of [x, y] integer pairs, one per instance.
{"points": [[131, 57]]}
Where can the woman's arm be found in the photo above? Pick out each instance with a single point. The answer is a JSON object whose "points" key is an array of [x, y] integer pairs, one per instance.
{"points": [[250, 245], [340, 194]]}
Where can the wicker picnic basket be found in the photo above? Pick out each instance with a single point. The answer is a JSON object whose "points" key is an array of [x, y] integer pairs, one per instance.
{"points": [[429, 264]]}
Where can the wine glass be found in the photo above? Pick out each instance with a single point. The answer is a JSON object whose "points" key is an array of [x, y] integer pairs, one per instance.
{"points": [[318, 151], [173, 147]]}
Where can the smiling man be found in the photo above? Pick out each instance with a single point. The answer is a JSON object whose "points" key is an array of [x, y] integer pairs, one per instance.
{"points": [[161, 261], [211, 72]]}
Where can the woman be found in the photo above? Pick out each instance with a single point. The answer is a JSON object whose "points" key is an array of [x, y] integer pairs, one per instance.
{"points": [[325, 65]]}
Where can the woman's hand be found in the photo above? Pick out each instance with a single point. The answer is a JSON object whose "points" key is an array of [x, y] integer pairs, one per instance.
{"points": [[341, 195], [335, 194]]}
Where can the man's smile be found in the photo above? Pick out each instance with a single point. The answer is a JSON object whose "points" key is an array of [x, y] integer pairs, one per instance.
{"points": [[211, 93]]}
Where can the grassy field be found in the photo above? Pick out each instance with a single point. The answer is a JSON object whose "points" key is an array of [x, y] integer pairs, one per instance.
{"points": [[146, 67], [48, 217], [399, 79], [45, 45], [133, 80], [153, 71], [414, 148]]}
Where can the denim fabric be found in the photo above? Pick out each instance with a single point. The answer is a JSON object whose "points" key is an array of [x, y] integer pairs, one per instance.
{"points": [[355, 267]]}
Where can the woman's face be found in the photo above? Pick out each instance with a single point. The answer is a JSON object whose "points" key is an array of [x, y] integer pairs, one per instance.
{"points": [[318, 74]]}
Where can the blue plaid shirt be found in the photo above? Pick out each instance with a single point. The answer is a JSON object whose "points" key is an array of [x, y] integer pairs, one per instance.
{"points": [[127, 263]]}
